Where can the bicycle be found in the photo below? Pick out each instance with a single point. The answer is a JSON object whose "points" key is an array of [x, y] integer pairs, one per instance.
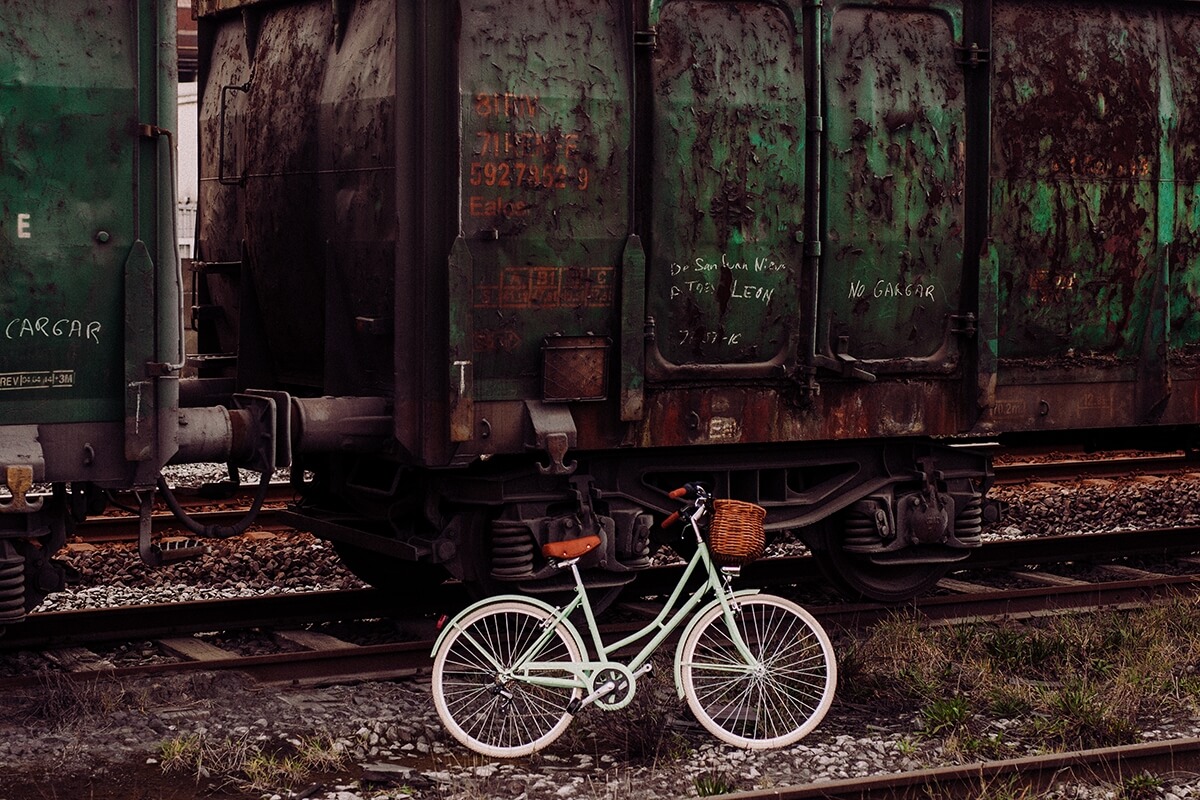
{"points": [[758, 671]]}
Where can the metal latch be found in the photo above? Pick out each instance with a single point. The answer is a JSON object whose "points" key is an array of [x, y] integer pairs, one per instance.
{"points": [[849, 364]]}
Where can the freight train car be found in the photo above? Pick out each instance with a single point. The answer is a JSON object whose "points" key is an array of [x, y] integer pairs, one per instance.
{"points": [[86, 255], [531, 263], [90, 315]]}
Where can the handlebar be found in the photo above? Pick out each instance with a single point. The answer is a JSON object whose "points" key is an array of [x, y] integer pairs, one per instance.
{"points": [[694, 492]]}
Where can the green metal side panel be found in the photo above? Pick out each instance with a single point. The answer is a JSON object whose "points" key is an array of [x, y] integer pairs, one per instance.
{"points": [[1077, 155], [729, 117], [546, 114], [67, 227], [895, 179], [1183, 41]]}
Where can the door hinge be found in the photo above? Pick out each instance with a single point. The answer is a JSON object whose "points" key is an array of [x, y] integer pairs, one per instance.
{"points": [[972, 57], [962, 324]]}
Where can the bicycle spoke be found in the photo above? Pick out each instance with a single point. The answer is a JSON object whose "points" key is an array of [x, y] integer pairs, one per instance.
{"points": [[481, 690], [780, 694]]}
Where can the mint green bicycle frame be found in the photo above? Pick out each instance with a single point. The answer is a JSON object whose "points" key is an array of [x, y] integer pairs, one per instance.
{"points": [[662, 626]]}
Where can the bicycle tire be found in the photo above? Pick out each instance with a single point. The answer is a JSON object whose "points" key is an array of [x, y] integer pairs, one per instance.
{"points": [[779, 701], [492, 713]]}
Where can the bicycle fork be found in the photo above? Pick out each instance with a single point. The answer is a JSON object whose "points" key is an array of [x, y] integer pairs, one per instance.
{"points": [[729, 611]]}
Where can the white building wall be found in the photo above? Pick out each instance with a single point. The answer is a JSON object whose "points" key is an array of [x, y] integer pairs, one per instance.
{"points": [[187, 178]]}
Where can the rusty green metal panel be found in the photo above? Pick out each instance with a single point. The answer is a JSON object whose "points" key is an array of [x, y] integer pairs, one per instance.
{"points": [[895, 165], [1183, 42], [68, 187], [545, 97], [729, 130], [1077, 156]]}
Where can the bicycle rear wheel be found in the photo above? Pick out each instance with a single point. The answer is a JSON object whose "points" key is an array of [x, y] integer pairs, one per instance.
{"points": [[483, 696], [774, 702]]}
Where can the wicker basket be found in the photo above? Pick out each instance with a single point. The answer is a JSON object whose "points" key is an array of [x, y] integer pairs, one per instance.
{"points": [[735, 536]]}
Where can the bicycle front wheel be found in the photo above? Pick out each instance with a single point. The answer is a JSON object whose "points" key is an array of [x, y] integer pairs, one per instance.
{"points": [[777, 698], [485, 694]]}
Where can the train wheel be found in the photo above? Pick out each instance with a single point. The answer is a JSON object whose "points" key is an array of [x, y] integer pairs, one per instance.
{"points": [[856, 576], [387, 573]]}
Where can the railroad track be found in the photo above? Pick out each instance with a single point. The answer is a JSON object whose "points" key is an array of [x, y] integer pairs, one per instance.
{"points": [[1070, 469], [120, 523], [323, 658], [1018, 777]]}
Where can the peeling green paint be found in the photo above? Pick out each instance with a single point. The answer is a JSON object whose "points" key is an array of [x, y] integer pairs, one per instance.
{"points": [[895, 179], [545, 109], [729, 121]]}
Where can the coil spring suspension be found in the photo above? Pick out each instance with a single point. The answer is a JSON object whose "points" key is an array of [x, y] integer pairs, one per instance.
{"points": [[968, 526], [512, 550], [12, 584], [866, 527]]}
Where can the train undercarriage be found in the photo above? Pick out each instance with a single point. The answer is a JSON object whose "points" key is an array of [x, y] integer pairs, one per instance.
{"points": [[884, 520]]}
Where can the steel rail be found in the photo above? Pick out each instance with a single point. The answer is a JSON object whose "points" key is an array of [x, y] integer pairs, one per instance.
{"points": [[122, 529], [1081, 469], [59, 628], [1110, 765], [340, 663]]}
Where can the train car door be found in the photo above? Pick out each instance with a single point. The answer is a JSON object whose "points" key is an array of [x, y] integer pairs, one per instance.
{"points": [[726, 222], [67, 98], [545, 114], [1085, 109], [87, 247], [895, 165]]}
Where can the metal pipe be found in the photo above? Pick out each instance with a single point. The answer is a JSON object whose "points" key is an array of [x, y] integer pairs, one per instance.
{"points": [[213, 434], [340, 424]]}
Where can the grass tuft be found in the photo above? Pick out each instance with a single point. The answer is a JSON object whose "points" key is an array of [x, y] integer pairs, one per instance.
{"points": [[1143, 786], [244, 761], [1063, 682], [713, 783], [643, 731], [67, 703]]}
